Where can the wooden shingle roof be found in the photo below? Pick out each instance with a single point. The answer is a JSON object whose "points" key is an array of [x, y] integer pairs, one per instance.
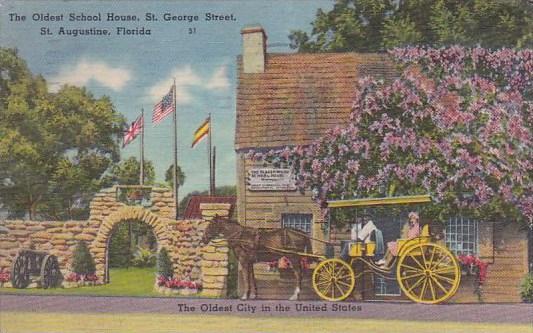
{"points": [[300, 96]]}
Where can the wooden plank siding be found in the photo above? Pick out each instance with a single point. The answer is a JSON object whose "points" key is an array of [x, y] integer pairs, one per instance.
{"points": [[510, 264]]}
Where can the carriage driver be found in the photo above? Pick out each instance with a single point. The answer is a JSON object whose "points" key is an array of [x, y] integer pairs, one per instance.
{"points": [[362, 230]]}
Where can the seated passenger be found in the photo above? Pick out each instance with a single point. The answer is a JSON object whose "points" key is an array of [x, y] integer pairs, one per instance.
{"points": [[362, 230], [412, 231]]}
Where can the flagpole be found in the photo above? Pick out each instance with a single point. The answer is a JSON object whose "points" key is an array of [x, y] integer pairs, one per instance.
{"points": [[141, 175], [214, 169], [209, 156], [175, 180]]}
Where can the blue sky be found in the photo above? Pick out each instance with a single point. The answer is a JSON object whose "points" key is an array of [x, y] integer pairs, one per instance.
{"points": [[136, 71]]}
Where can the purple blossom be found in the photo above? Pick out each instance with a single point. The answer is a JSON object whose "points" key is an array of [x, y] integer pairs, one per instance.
{"points": [[456, 123]]}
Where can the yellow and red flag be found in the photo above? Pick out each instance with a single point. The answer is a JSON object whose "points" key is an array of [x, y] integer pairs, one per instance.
{"points": [[201, 132]]}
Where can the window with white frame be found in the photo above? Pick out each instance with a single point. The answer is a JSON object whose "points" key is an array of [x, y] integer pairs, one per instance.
{"points": [[300, 222], [383, 287], [462, 235]]}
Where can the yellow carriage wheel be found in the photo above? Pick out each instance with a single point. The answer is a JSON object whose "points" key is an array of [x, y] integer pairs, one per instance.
{"points": [[333, 280], [428, 273]]}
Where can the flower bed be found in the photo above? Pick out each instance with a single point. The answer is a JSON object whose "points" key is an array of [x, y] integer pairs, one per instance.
{"points": [[176, 286], [4, 278], [74, 280]]}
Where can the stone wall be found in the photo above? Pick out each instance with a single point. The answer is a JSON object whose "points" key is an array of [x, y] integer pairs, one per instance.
{"points": [[215, 268], [57, 238], [210, 210], [181, 238]]}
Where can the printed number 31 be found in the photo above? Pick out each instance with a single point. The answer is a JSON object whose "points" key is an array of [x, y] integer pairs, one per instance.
{"points": [[192, 31]]}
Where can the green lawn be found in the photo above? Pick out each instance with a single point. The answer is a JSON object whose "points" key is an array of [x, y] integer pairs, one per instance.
{"points": [[123, 282]]}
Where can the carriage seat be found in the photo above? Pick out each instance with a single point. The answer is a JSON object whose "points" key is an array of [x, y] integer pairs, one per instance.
{"points": [[425, 237], [357, 249]]}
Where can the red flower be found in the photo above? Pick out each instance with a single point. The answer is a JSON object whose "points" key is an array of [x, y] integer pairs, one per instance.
{"points": [[284, 263], [161, 280], [4, 277], [474, 262], [91, 277], [175, 283], [73, 277]]}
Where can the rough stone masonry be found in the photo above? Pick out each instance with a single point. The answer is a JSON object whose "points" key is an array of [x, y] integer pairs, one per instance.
{"points": [[180, 237]]}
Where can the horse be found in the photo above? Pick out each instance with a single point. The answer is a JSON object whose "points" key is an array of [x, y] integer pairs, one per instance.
{"points": [[252, 245]]}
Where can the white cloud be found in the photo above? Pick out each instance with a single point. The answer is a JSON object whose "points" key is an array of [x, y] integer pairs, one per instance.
{"points": [[185, 77], [219, 80], [85, 71]]}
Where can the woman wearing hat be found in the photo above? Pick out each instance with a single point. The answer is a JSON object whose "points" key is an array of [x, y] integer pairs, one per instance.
{"points": [[412, 231]]}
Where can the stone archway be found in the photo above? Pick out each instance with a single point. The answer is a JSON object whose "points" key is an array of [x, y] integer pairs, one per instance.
{"points": [[161, 228]]}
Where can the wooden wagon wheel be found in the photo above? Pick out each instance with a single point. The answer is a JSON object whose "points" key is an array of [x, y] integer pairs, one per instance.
{"points": [[49, 272], [428, 273], [20, 274], [333, 280]]}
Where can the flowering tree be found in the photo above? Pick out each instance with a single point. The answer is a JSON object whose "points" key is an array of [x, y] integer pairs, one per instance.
{"points": [[456, 123]]}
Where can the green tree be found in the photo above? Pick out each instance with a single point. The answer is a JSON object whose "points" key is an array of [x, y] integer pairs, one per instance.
{"points": [[83, 262], [125, 241], [54, 147], [169, 176], [127, 172], [373, 25], [164, 265]]}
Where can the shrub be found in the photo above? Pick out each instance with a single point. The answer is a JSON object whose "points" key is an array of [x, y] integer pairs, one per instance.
{"points": [[164, 265], [83, 262], [143, 257], [526, 291]]}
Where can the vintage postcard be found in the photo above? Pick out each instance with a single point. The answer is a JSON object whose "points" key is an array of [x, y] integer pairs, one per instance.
{"points": [[266, 166]]}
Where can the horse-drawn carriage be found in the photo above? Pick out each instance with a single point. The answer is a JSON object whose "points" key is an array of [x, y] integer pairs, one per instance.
{"points": [[426, 271]]}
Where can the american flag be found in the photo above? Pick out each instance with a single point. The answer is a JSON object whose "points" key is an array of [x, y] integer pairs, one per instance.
{"points": [[131, 133], [164, 107]]}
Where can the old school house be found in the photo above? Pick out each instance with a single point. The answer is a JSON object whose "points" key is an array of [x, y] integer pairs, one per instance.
{"points": [[291, 99]]}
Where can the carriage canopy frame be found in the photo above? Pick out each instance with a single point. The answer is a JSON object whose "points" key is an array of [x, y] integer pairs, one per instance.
{"points": [[385, 201]]}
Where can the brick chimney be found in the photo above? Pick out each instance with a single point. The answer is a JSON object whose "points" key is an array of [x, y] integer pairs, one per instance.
{"points": [[253, 49]]}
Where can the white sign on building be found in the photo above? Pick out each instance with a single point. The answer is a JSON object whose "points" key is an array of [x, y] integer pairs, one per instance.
{"points": [[270, 179]]}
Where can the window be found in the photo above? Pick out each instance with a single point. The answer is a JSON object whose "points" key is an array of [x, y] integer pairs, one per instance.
{"points": [[390, 225], [461, 235], [300, 222], [383, 287]]}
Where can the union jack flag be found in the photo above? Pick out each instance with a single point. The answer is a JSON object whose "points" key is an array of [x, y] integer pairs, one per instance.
{"points": [[131, 133], [164, 107]]}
